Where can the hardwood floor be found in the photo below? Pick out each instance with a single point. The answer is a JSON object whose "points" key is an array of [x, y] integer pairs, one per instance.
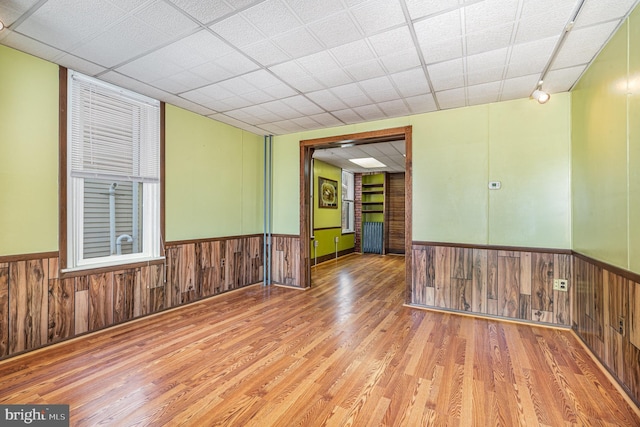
{"points": [[345, 352]]}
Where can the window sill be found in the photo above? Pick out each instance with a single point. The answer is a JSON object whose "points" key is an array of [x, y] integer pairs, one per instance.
{"points": [[97, 268]]}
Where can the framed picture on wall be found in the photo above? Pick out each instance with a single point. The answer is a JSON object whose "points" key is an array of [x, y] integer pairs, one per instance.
{"points": [[328, 192]]}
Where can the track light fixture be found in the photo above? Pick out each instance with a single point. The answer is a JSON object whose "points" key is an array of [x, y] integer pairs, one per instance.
{"points": [[540, 95]]}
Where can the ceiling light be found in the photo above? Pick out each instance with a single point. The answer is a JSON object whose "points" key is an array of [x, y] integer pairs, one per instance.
{"points": [[368, 162], [540, 96], [1, 25]]}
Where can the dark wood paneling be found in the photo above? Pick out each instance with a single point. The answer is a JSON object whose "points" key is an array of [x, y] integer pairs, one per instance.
{"points": [[508, 285], [419, 264], [442, 268], [123, 295], [61, 309], [234, 264], [395, 215], [480, 277], [286, 261], [4, 311], [100, 301], [563, 306], [28, 301], [542, 282]]}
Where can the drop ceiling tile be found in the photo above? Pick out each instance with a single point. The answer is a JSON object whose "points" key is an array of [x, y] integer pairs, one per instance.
{"points": [[310, 11], [63, 24], [212, 71], [302, 104], [370, 112], [279, 91], [237, 102], [283, 110], [347, 91], [134, 85], [377, 84], [335, 30], [411, 82], [165, 19], [421, 8], [439, 28], [392, 41], [483, 93], [196, 108], [377, 15], [151, 68], [271, 17], [78, 64], [333, 78], [485, 75], [348, 116], [298, 42], [129, 5], [491, 59], [563, 79], [181, 82], [237, 31], [236, 63], [195, 49], [126, 40], [365, 70], [530, 58], [27, 44], [453, 98], [204, 11], [441, 51], [446, 75], [11, 11], [394, 108], [421, 103], [273, 129], [353, 53], [482, 15], [266, 53], [257, 97], [306, 122], [549, 24], [490, 39], [304, 83], [316, 62], [519, 87], [326, 119], [581, 45], [214, 91], [224, 118], [602, 10], [326, 100], [288, 70], [401, 61]]}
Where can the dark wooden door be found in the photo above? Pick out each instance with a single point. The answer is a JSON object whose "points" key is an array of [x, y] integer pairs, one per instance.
{"points": [[394, 226]]}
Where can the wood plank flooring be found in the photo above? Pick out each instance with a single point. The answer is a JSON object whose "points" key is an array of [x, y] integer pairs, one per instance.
{"points": [[345, 352]]}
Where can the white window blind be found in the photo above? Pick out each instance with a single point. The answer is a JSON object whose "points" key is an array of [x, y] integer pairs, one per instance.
{"points": [[114, 133], [348, 197]]}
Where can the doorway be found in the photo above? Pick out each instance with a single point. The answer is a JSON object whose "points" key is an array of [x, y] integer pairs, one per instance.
{"points": [[307, 147]]}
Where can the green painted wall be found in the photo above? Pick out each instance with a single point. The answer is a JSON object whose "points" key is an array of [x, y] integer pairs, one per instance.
{"points": [[456, 152], [606, 152], [28, 154], [214, 178], [326, 242]]}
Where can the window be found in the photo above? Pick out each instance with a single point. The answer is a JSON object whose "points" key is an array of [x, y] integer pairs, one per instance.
{"points": [[113, 175], [348, 196]]}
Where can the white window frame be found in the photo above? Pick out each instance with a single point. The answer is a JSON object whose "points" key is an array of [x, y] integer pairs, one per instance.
{"points": [[348, 199], [151, 233]]}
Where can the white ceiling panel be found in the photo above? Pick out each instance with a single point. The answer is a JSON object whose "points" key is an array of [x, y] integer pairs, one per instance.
{"points": [[595, 12], [582, 45], [378, 15], [280, 66], [453, 98], [447, 75], [64, 24], [421, 8], [563, 79], [335, 30], [204, 11]]}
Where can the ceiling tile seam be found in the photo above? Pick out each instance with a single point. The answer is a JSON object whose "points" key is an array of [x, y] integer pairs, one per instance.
{"points": [[33, 9], [230, 14], [445, 11], [416, 45], [353, 79], [512, 42]]}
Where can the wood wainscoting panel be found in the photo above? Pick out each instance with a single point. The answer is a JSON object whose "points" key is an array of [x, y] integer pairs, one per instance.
{"points": [[124, 284], [507, 283], [4, 311], [100, 301], [634, 313], [235, 272], [61, 309], [285, 263], [28, 302]]}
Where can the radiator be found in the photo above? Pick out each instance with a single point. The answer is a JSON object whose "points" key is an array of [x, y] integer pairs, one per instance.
{"points": [[372, 237]]}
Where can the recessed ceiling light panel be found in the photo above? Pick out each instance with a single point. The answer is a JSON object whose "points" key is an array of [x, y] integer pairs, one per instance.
{"points": [[368, 162]]}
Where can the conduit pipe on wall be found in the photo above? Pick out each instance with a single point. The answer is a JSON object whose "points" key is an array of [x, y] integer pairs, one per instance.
{"points": [[112, 217], [267, 208]]}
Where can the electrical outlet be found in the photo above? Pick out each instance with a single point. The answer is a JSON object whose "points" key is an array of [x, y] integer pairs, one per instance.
{"points": [[315, 243], [621, 325], [222, 262], [560, 285]]}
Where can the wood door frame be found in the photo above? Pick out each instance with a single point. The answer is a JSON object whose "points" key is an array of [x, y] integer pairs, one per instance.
{"points": [[307, 147]]}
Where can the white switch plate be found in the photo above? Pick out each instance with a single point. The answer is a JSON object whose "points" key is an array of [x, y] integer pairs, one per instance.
{"points": [[495, 185]]}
